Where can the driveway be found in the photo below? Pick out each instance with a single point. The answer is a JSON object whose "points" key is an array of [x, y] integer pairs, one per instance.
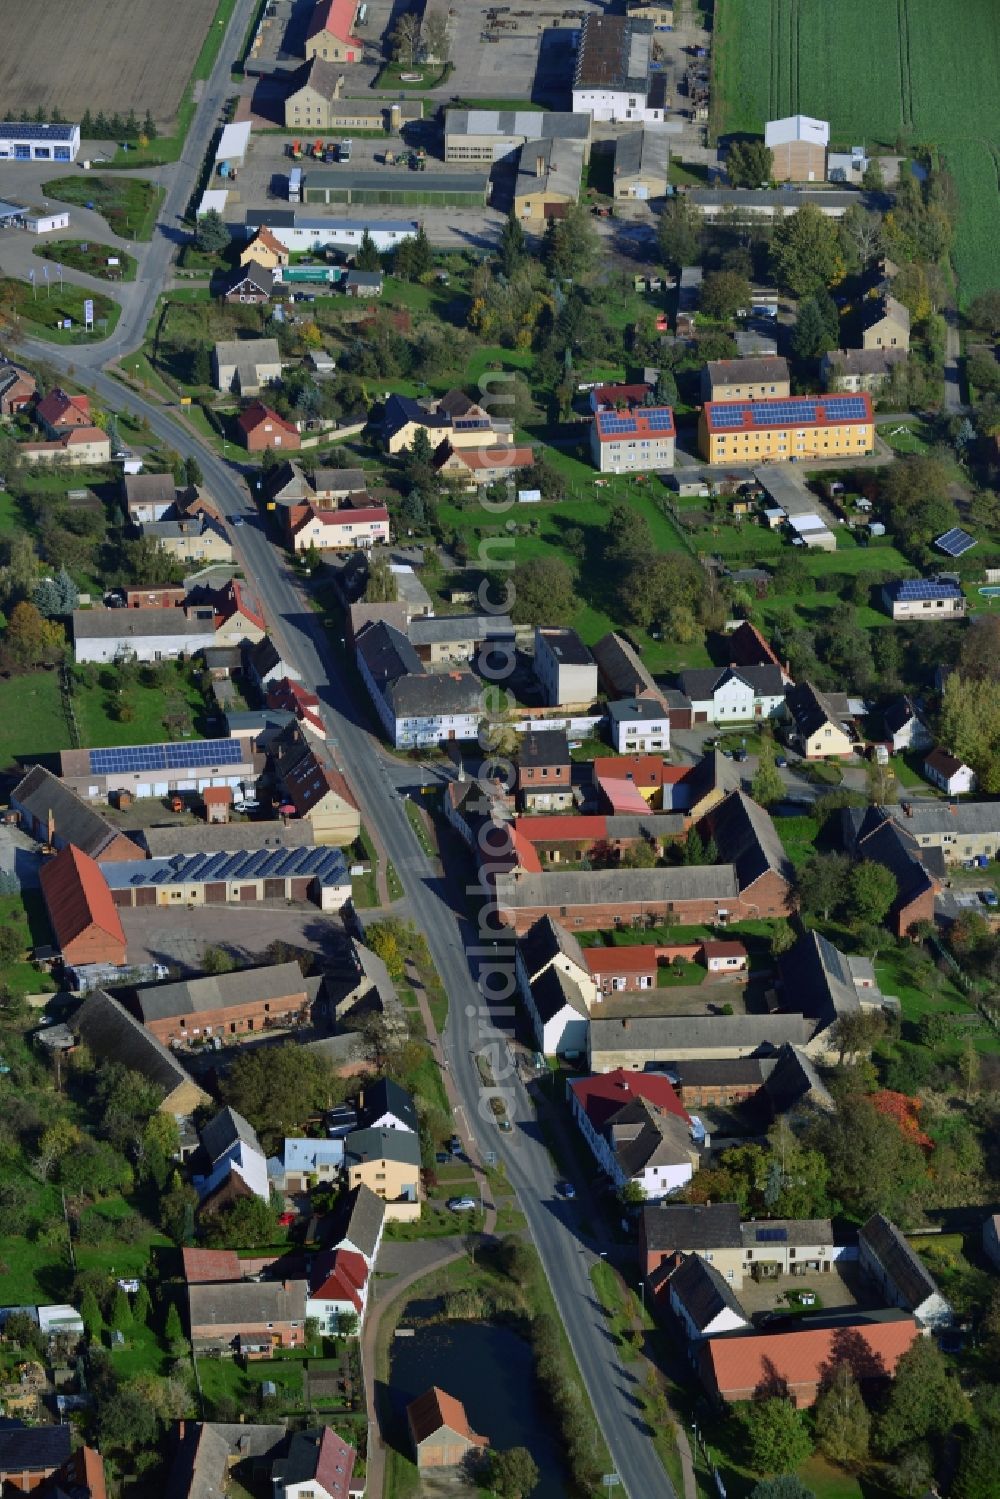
{"points": [[19, 856]]}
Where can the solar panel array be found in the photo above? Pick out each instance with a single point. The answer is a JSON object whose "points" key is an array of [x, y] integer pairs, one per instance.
{"points": [[955, 542], [187, 755], [726, 414], [772, 1235], [325, 864], [626, 423], [926, 588]]}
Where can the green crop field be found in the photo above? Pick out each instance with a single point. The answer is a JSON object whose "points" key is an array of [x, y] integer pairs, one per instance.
{"points": [[874, 69]]}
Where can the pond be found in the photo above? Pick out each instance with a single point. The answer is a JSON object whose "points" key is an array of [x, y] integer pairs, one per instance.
{"points": [[491, 1370]]}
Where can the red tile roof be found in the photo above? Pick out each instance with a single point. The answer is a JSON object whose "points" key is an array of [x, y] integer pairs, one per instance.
{"points": [[605, 1093], [334, 1464], [266, 238], [642, 770], [723, 950], [217, 796], [210, 1266], [78, 898], [257, 413], [292, 697], [802, 1356], [238, 599], [621, 960], [617, 395], [562, 829], [755, 416], [607, 423], [434, 1409], [336, 17], [499, 457], [58, 409], [340, 1276], [347, 515], [308, 782]]}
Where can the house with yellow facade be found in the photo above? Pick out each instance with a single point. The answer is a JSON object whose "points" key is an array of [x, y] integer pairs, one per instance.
{"points": [[786, 430], [821, 721], [264, 249]]}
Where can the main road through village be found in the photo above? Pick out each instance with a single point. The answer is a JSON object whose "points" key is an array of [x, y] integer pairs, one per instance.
{"points": [[567, 1254]]}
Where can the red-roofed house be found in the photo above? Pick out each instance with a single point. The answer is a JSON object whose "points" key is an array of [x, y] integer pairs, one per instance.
{"points": [[341, 530], [801, 1359], [81, 447], [206, 1267], [608, 397], [640, 438], [292, 697], [260, 428], [316, 790], [475, 466], [319, 1465], [724, 957], [85, 923], [330, 32], [239, 615], [623, 970], [747, 647], [594, 1100], [440, 1430], [619, 778], [57, 411], [637, 1129], [338, 1286], [218, 801], [793, 428]]}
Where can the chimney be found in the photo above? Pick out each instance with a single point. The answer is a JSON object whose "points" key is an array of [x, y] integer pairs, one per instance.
{"points": [[539, 165], [51, 827], [907, 809]]}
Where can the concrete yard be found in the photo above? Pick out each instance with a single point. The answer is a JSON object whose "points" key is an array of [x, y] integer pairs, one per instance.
{"points": [[179, 938], [840, 1289]]}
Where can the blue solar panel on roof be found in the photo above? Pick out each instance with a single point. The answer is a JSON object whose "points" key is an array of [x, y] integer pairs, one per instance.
{"points": [[187, 754], [771, 1235], [926, 588], [956, 542]]}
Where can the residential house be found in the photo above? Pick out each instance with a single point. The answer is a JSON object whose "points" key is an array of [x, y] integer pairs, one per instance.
{"points": [[315, 788], [237, 1166], [703, 1302], [746, 646], [265, 665], [291, 697], [31, 1454], [613, 79], [621, 673], [885, 324], [949, 773], [924, 599], [226, 1004], [623, 970], [544, 771], [86, 927], [81, 1476], [555, 983], [642, 165], [247, 1318], [249, 283], [246, 365], [473, 468], [820, 721], [619, 397], [823, 983], [416, 706], [671, 1233], [191, 538], [312, 97], [57, 412], [104, 635], [52, 812], [904, 728], [111, 1034], [899, 1273], [724, 959], [329, 33], [338, 1289], [636, 1128], [148, 497], [265, 250], [79, 447], [358, 1223], [640, 438], [798, 146], [762, 379], [877, 835], [800, 1360], [208, 1451], [363, 283], [535, 843], [745, 836], [260, 428], [852, 370], [961, 830], [319, 1464], [639, 725], [239, 614], [549, 174], [324, 488], [564, 667], [440, 639], [729, 694], [385, 1105], [17, 389], [782, 431], [387, 1161], [305, 1162], [454, 416], [440, 1431], [346, 528]]}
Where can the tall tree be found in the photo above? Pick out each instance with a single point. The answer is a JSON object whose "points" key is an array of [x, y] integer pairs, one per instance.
{"points": [[543, 592], [367, 258], [776, 1435], [873, 888], [724, 293], [571, 244], [749, 164], [513, 1473], [925, 1399], [805, 251], [820, 884], [680, 231], [811, 336], [511, 249], [767, 786], [404, 39], [843, 1425], [212, 234]]}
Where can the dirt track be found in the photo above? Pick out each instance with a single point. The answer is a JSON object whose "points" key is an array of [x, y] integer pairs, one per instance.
{"points": [[101, 54]]}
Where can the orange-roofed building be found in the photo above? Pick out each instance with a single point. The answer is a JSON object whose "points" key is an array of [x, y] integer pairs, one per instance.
{"points": [[440, 1430], [85, 923], [57, 411], [206, 1267], [623, 970], [261, 428], [338, 1286], [292, 697], [738, 1368], [478, 466], [264, 249]]}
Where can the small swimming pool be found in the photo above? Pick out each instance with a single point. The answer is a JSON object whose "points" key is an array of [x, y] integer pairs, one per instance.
{"points": [[990, 591]]}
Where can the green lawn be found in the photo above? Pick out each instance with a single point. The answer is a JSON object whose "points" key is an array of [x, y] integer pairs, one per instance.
{"points": [[93, 259], [42, 316], [130, 204], [917, 999], [32, 720], [798, 837]]}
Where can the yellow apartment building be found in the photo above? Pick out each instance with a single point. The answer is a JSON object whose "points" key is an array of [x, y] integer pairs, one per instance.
{"points": [[787, 430]]}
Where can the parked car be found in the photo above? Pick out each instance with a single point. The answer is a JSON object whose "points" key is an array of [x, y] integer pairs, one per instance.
{"points": [[989, 898], [442, 1157], [455, 1145], [462, 1204], [781, 762], [567, 1190]]}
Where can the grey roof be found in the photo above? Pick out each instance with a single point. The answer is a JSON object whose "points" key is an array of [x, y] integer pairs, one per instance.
{"points": [[884, 307], [690, 1226], [432, 693], [145, 489], [319, 74], [793, 1231], [539, 747], [707, 1033], [111, 1033], [637, 710], [898, 714], [41, 793], [252, 351], [760, 370], [441, 629], [901, 1264], [366, 280], [123, 624], [747, 837], [200, 1469], [621, 670], [783, 197], [721, 1071], [217, 991], [518, 123], [566, 645], [702, 682], [562, 168], [553, 992], [702, 1292], [792, 1081], [642, 153], [259, 276], [357, 1219], [623, 886], [810, 708], [382, 1145], [713, 772], [386, 652], [33, 1447], [226, 1129], [928, 818], [229, 838], [864, 361], [643, 1136], [817, 980], [545, 940], [252, 1303], [892, 843], [386, 1097], [362, 179]]}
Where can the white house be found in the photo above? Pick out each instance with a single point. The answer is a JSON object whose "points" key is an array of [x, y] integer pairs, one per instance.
{"points": [[565, 668], [613, 80], [338, 1289], [904, 728], [385, 1105], [319, 1465], [637, 1130], [142, 634], [899, 1273], [702, 1301], [732, 694], [556, 986], [950, 774], [639, 725], [416, 706], [305, 1160]]}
